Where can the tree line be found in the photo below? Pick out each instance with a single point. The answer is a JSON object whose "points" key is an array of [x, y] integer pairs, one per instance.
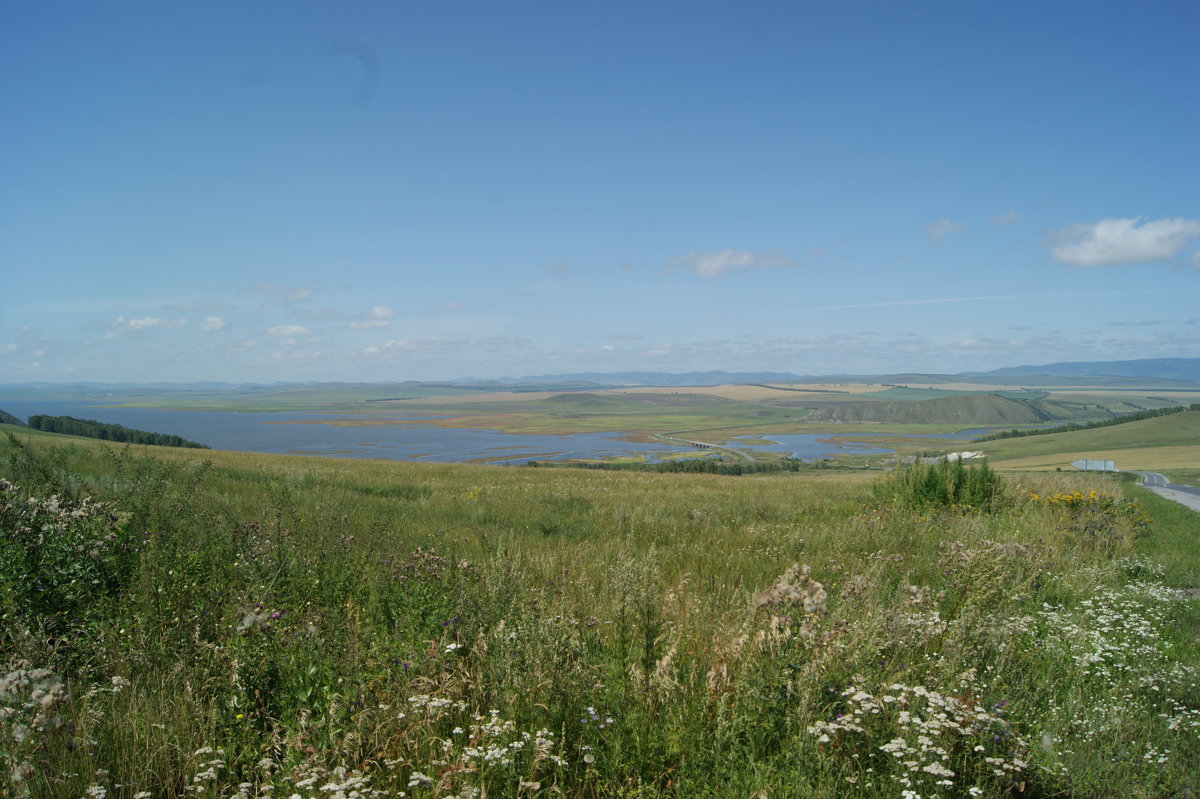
{"points": [[687, 466], [1073, 426], [69, 425]]}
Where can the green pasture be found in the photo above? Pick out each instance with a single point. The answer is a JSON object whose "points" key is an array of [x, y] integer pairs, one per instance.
{"points": [[235, 624], [1176, 430]]}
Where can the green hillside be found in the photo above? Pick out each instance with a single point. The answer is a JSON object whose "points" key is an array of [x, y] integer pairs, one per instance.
{"points": [[8, 418], [1175, 430], [968, 409]]}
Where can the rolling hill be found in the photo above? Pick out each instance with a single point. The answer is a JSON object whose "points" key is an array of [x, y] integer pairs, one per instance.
{"points": [[981, 409]]}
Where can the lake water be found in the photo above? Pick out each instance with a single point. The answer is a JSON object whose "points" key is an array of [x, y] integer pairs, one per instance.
{"points": [[312, 433], [807, 446]]}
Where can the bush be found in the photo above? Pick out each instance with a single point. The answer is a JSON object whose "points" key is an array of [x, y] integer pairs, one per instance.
{"points": [[946, 484], [57, 557]]}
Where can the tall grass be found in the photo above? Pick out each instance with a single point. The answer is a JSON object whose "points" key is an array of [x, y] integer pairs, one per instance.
{"points": [[287, 626]]}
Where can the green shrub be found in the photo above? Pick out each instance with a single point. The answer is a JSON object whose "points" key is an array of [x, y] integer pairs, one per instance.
{"points": [[57, 556], [945, 484]]}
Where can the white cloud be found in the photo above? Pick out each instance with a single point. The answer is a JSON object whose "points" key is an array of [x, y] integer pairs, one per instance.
{"points": [[121, 325], [714, 264], [450, 306], [942, 228], [211, 323], [288, 330], [1119, 242], [374, 318], [379, 312]]}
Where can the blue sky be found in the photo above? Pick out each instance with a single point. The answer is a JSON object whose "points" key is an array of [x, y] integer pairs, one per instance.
{"points": [[262, 191]]}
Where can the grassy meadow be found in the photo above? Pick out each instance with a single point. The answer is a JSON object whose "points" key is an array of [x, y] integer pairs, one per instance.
{"points": [[214, 624], [1162, 444]]}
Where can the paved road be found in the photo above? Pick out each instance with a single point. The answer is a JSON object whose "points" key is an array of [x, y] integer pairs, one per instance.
{"points": [[1159, 484]]}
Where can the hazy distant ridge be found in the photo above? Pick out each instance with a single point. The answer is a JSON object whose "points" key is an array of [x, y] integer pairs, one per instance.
{"points": [[1162, 368], [1184, 370]]}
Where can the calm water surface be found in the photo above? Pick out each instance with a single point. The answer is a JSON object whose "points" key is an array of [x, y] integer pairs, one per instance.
{"points": [[278, 432], [312, 433], [807, 446]]}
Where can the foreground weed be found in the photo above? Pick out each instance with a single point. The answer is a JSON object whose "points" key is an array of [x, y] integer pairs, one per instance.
{"points": [[927, 742], [58, 556], [31, 705], [328, 632]]}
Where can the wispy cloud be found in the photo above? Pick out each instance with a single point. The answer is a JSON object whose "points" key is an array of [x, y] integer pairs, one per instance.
{"points": [[715, 264], [286, 293], [991, 297], [288, 330], [210, 324], [1122, 242], [435, 346], [1006, 218], [376, 317], [121, 325], [942, 228]]}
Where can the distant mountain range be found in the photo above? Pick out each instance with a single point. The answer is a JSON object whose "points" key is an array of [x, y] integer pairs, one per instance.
{"points": [[1182, 371], [1168, 369], [1186, 369]]}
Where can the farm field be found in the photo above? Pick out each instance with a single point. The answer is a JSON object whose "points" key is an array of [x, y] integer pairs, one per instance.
{"points": [[240, 624], [1167, 442]]}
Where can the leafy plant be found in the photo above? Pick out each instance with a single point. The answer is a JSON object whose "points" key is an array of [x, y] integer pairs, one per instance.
{"points": [[944, 484]]}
